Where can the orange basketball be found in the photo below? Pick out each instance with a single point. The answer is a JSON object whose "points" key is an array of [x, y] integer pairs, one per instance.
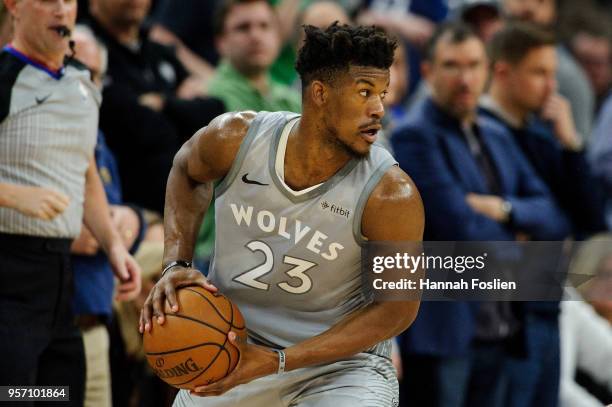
{"points": [[191, 348]]}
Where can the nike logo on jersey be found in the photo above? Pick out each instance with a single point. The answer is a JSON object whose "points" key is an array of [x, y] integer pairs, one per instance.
{"points": [[252, 182], [42, 100]]}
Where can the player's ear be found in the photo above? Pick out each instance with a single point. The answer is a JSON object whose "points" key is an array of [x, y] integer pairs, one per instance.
{"points": [[318, 92]]}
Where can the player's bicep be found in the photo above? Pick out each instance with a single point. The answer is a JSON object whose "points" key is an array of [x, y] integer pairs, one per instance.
{"points": [[394, 211]]}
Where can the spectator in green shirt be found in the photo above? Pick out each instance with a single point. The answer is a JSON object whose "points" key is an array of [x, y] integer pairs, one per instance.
{"points": [[247, 38]]}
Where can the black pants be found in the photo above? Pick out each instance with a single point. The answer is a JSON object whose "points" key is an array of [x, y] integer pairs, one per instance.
{"points": [[39, 341]]}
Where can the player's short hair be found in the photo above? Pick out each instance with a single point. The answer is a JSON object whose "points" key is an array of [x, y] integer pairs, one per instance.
{"points": [[224, 8], [455, 31], [512, 43], [327, 52]]}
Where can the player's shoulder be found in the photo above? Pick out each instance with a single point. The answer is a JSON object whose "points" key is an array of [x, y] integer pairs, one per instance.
{"points": [[218, 143], [231, 126], [395, 186], [394, 210]]}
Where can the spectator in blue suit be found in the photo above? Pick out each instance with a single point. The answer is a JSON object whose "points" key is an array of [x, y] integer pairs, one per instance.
{"points": [[524, 100], [476, 185]]}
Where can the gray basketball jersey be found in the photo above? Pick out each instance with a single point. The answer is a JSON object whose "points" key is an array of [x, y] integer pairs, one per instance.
{"points": [[291, 260]]}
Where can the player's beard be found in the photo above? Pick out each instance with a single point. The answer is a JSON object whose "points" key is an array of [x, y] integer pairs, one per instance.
{"points": [[350, 150], [334, 139]]}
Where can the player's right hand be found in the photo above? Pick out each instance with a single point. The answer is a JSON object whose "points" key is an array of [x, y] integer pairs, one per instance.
{"points": [[165, 290], [39, 202]]}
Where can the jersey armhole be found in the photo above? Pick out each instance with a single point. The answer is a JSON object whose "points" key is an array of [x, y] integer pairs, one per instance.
{"points": [[253, 130], [365, 194]]}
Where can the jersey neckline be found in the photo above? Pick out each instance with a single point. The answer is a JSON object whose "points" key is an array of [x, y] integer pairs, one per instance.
{"points": [[308, 193]]}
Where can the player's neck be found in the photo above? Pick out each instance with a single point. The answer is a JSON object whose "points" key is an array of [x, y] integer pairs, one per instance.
{"points": [[311, 158]]}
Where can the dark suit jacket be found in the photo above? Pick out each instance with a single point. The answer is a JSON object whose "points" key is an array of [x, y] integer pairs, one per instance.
{"points": [[431, 148], [567, 174]]}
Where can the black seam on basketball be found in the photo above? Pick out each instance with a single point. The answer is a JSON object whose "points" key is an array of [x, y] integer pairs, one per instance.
{"points": [[180, 350], [205, 369], [198, 321], [229, 357], [231, 322], [232, 305], [229, 361], [213, 305]]}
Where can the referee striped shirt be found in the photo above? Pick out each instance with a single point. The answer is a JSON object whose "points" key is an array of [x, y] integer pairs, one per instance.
{"points": [[48, 127]]}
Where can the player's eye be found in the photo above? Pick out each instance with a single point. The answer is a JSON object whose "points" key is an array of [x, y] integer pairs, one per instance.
{"points": [[383, 95], [364, 92]]}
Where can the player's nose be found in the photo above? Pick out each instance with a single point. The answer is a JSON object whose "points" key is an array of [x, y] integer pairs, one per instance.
{"points": [[377, 109]]}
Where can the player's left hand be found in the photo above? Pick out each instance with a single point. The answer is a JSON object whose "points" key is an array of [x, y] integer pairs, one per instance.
{"points": [[127, 270], [255, 362]]}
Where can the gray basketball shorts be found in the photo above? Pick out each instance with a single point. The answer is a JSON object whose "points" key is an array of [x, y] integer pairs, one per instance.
{"points": [[364, 380]]}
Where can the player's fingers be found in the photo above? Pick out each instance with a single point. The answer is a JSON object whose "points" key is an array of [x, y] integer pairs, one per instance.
{"points": [[206, 284], [235, 340], [158, 305], [206, 394], [215, 389], [171, 298], [147, 312]]}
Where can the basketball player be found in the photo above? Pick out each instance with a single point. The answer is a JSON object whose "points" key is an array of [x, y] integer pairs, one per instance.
{"points": [[298, 196]]}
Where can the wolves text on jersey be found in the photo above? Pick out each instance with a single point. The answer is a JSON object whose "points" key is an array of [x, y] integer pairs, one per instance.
{"points": [[268, 223]]}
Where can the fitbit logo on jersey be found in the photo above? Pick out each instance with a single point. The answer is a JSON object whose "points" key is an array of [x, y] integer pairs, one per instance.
{"points": [[333, 208], [268, 223]]}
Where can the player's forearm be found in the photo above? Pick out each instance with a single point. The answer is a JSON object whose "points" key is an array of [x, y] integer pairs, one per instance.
{"points": [[358, 332], [97, 212], [186, 203]]}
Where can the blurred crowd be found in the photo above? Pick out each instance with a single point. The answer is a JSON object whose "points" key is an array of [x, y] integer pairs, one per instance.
{"points": [[501, 112]]}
